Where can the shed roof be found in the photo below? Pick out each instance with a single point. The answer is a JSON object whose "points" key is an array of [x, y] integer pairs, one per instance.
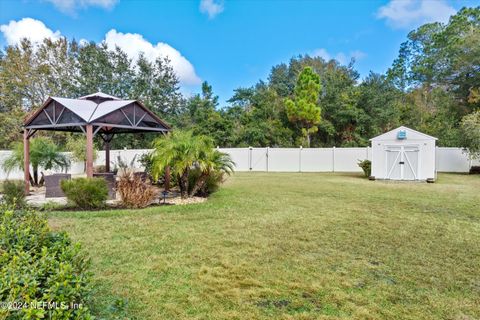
{"points": [[108, 113], [413, 135]]}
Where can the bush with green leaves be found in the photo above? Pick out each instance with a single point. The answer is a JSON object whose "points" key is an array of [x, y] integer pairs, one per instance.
{"points": [[366, 166], [38, 266], [14, 193], [86, 193]]}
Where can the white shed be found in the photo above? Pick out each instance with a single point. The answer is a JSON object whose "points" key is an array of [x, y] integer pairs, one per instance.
{"points": [[403, 154]]}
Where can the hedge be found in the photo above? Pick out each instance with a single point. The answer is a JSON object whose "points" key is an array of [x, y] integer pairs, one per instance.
{"points": [[86, 193], [42, 273]]}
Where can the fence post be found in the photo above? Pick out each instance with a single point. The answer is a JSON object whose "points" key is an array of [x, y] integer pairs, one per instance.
{"points": [[333, 158], [266, 156], [300, 159], [470, 160], [250, 158]]}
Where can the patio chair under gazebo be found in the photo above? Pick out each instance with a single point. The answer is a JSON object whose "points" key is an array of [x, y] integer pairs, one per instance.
{"points": [[97, 113]]}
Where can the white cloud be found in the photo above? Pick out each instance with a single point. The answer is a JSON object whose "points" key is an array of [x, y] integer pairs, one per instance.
{"points": [[133, 44], [70, 6], [322, 53], [83, 42], [358, 55], [211, 7], [34, 30], [341, 57], [411, 13]]}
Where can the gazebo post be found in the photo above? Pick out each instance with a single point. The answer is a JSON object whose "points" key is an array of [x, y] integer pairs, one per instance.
{"points": [[167, 179], [26, 160], [107, 156], [89, 132]]}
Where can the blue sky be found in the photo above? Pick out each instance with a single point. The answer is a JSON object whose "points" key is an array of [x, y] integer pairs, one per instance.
{"points": [[231, 43]]}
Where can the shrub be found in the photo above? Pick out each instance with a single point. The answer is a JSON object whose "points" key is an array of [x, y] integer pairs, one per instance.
{"points": [[51, 206], [86, 193], [135, 192], [366, 166], [474, 170], [214, 180], [14, 193], [147, 162], [40, 266], [212, 183]]}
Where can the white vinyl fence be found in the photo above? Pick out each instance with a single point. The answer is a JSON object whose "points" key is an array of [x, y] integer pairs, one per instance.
{"points": [[77, 168], [281, 160], [330, 159], [298, 159]]}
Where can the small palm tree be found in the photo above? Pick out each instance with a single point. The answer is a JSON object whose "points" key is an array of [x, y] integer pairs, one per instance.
{"points": [[213, 163], [43, 154], [183, 152]]}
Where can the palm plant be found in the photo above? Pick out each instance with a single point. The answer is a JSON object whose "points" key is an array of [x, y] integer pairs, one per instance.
{"points": [[183, 152], [215, 163], [43, 154]]}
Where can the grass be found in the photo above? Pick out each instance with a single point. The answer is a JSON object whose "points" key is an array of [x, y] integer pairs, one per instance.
{"points": [[291, 246]]}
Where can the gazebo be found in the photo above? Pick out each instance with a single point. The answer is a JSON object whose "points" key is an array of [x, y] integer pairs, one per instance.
{"points": [[97, 113]]}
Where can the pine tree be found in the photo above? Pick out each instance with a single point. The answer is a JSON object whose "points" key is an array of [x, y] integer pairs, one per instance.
{"points": [[303, 110]]}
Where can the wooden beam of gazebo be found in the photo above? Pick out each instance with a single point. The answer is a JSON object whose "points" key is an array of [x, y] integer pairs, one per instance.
{"points": [[98, 113]]}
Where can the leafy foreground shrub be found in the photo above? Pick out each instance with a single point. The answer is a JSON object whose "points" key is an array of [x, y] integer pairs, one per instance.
{"points": [[366, 166], [86, 193], [135, 193], [42, 273], [14, 193]]}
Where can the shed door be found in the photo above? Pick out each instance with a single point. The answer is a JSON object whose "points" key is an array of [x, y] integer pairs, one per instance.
{"points": [[402, 162]]}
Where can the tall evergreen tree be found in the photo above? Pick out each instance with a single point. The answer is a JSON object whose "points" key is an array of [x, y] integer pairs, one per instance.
{"points": [[303, 109]]}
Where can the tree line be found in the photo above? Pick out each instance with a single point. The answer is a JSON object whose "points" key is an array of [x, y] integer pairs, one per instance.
{"points": [[433, 86]]}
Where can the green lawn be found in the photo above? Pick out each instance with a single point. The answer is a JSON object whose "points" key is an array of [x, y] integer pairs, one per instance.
{"points": [[291, 246]]}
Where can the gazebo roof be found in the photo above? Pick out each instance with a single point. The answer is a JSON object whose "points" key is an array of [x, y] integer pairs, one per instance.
{"points": [[106, 113], [100, 95]]}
